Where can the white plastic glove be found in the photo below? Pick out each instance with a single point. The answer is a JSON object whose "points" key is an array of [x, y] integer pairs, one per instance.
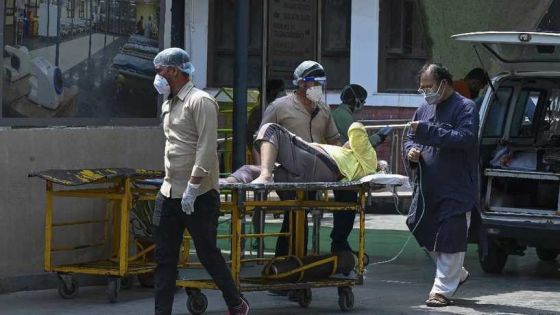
{"points": [[189, 196]]}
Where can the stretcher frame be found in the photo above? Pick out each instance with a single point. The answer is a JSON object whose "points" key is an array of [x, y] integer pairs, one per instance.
{"points": [[239, 206], [119, 187], [123, 189]]}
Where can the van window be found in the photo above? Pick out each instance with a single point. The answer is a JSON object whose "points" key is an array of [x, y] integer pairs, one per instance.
{"points": [[523, 122], [494, 124], [551, 120]]}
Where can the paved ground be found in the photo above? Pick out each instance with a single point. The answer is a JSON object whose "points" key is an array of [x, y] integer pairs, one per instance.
{"points": [[527, 286]]}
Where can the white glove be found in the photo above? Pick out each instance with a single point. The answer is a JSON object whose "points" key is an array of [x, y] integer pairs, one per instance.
{"points": [[189, 196]]}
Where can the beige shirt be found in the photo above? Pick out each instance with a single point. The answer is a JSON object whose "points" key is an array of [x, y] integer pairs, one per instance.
{"points": [[291, 114], [190, 122]]}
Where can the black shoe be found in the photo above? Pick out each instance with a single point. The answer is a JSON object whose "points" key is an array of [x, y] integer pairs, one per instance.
{"points": [[241, 309]]}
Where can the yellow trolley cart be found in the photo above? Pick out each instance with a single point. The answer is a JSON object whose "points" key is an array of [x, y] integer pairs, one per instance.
{"points": [[244, 200], [116, 185]]}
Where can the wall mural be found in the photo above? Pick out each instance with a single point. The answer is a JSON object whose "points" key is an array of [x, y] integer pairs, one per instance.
{"points": [[80, 58]]}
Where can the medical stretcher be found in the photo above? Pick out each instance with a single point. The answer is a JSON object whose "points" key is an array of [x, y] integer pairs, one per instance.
{"points": [[246, 198], [124, 187], [121, 188]]}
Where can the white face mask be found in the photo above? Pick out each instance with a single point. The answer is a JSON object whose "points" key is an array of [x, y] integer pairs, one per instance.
{"points": [[433, 98], [161, 85], [314, 93]]}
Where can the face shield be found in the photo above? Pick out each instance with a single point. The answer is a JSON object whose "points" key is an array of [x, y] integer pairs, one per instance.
{"points": [[316, 89]]}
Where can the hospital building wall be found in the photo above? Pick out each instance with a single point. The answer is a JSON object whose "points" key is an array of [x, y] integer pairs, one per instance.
{"points": [[22, 199]]}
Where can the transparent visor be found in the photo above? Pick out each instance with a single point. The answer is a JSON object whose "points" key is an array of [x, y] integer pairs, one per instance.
{"points": [[318, 92], [315, 79]]}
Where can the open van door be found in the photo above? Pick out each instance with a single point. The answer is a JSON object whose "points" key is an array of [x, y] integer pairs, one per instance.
{"points": [[519, 147], [518, 51]]}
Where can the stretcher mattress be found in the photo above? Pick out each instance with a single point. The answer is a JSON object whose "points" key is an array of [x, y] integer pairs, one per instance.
{"points": [[97, 175], [371, 181], [134, 64]]}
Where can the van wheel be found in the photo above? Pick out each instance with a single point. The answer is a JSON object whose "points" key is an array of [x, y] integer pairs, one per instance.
{"points": [[495, 260], [546, 254]]}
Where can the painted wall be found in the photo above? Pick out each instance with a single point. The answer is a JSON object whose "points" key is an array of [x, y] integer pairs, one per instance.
{"points": [[448, 17], [145, 10], [22, 199]]}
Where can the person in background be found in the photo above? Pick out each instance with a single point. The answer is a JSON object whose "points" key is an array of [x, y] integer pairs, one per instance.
{"points": [[442, 149], [353, 97], [140, 26], [188, 197], [472, 84], [148, 27], [305, 114]]}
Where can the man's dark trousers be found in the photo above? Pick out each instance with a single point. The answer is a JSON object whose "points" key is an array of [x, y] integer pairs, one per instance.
{"points": [[343, 221], [170, 222], [282, 243]]}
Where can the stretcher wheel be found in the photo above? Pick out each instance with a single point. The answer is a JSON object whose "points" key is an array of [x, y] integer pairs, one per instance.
{"points": [[366, 259], [66, 292], [127, 282], [304, 297], [196, 302], [345, 299], [146, 280], [113, 288]]}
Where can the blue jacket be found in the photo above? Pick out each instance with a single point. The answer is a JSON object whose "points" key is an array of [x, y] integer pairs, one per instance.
{"points": [[447, 136]]}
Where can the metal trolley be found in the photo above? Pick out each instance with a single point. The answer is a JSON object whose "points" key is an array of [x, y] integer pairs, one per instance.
{"points": [[116, 185], [247, 198]]}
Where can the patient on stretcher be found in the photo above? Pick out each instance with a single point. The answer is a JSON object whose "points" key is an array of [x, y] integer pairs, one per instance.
{"points": [[291, 159]]}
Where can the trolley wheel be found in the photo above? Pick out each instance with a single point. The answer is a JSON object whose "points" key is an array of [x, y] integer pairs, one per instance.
{"points": [[113, 288], [345, 299], [196, 301], [366, 259], [127, 282], [304, 297], [146, 280], [66, 292]]}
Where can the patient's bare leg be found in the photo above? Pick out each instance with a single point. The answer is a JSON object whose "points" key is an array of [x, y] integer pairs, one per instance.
{"points": [[268, 157]]}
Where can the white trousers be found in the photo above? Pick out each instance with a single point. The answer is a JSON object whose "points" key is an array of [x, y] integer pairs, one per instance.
{"points": [[449, 270]]}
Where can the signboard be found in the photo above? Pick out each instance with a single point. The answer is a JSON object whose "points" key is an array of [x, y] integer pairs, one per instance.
{"points": [[292, 36]]}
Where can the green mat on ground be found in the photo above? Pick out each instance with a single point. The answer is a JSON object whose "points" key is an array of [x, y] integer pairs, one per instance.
{"points": [[379, 243]]}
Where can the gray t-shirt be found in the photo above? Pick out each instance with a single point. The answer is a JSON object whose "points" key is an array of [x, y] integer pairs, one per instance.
{"points": [[291, 114]]}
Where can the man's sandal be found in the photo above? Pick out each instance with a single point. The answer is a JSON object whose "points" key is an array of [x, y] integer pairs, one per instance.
{"points": [[463, 281], [437, 300]]}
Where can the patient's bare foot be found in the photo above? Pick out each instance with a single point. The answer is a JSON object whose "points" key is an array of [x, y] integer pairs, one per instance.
{"points": [[263, 180]]}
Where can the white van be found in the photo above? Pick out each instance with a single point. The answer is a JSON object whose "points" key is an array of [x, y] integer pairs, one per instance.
{"points": [[519, 146]]}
